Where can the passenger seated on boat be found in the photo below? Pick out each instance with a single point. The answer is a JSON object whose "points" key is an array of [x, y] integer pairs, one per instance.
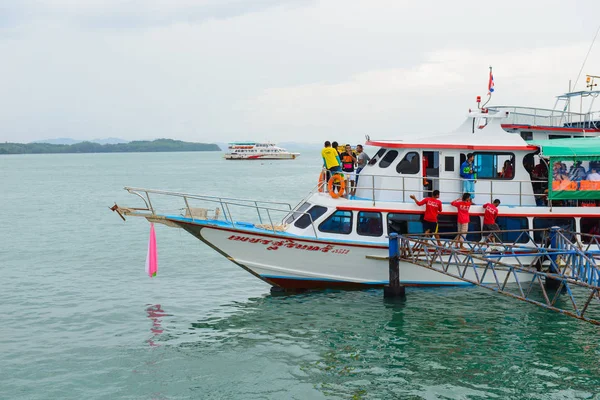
{"points": [[593, 175], [507, 170], [577, 172], [557, 172]]}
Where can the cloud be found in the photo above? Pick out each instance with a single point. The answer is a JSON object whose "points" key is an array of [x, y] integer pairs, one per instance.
{"points": [[279, 70], [134, 13], [428, 97]]}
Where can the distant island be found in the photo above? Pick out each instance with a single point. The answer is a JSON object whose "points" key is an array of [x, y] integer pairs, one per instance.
{"points": [[141, 146]]}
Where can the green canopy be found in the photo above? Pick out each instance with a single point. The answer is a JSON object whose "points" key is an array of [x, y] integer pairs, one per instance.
{"points": [[574, 183], [579, 148]]}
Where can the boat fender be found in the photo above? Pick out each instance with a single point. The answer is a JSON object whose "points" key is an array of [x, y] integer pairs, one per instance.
{"points": [[334, 181]]}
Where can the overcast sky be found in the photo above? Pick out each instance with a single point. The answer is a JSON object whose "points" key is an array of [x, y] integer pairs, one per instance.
{"points": [[282, 70]]}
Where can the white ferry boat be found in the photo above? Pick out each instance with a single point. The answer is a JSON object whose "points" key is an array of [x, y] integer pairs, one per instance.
{"points": [[258, 151], [331, 241]]}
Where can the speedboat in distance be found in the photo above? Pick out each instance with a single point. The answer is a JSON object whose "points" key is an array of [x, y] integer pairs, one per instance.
{"points": [[258, 151]]}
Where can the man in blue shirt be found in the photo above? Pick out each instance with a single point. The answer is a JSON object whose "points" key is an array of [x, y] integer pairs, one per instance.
{"points": [[467, 172]]}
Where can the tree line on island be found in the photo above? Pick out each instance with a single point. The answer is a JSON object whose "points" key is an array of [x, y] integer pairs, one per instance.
{"points": [[158, 145]]}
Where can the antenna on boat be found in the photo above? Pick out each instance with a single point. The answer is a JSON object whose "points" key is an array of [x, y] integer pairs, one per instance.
{"points": [[586, 56]]}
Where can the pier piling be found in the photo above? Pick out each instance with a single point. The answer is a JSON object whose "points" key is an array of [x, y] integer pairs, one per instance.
{"points": [[553, 284], [394, 289]]}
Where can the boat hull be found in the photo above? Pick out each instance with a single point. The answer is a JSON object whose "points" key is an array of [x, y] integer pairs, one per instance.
{"points": [[299, 264]]}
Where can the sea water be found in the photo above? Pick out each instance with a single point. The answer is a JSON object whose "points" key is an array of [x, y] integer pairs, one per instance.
{"points": [[81, 320]]}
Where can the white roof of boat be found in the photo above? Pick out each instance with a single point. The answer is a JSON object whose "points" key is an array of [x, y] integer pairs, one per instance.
{"points": [[480, 131]]}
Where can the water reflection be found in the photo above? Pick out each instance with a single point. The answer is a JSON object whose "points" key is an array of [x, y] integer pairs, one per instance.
{"points": [[465, 342], [155, 313]]}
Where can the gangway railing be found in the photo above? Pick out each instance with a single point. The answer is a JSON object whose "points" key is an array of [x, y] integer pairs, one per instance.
{"points": [[539, 275]]}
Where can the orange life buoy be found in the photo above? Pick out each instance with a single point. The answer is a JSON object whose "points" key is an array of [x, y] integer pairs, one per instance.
{"points": [[342, 188]]}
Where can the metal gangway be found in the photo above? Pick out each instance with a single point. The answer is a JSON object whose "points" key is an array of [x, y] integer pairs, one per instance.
{"points": [[563, 265]]}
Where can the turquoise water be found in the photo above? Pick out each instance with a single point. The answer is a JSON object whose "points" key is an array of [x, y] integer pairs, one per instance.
{"points": [[81, 319]]}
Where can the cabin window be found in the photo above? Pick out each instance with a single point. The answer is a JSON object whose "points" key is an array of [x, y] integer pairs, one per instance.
{"points": [[388, 158], [449, 163], [559, 136], [377, 156], [315, 212], [545, 223], [495, 165], [404, 223], [589, 226], [369, 224], [513, 223], [338, 222], [298, 213], [527, 135], [409, 164], [447, 223]]}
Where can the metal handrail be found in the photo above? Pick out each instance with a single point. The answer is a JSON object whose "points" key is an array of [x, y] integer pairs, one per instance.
{"points": [[223, 201], [551, 117], [553, 111], [403, 190], [203, 197]]}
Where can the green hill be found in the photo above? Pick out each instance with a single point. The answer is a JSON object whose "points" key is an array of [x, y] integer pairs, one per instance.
{"points": [[158, 145]]}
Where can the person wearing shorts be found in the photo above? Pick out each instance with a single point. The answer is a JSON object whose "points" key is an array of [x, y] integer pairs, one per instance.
{"points": [[433, 206], [489, 219], [462, 205], [348, 162], [331, 160]]}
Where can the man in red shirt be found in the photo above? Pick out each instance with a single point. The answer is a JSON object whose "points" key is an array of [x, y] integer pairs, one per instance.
{"points": [[433, 206], [489, 219], [463, 217]]}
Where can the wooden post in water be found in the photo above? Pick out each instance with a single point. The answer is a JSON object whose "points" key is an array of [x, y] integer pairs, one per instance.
{"points": [[394, 289]]}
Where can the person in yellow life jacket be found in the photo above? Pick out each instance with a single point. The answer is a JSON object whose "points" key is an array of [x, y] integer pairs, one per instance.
{"points": [[331, 160]]}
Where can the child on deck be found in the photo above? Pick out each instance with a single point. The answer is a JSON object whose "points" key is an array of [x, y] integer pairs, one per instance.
{"points": [[463, 217]]}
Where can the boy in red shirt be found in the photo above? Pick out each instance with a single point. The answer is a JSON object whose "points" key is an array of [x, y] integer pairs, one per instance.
{"points": [[489, 219], [433, 206], [463, 217]]}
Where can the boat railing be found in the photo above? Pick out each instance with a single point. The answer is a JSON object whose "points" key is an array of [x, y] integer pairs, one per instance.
{"points": [[368, 183], [265, 211], [549, 117]]}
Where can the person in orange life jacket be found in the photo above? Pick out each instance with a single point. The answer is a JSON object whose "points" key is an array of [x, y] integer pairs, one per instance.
{"points": [[462, 217], [489, 219], [433, 206], [348, 162]]}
